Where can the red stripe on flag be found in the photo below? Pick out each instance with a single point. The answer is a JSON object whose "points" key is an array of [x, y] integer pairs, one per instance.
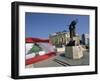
{"points": [[39, 58], [35, 40]]}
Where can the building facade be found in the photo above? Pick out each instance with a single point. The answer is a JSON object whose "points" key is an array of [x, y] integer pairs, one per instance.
{"points": [[85, 39], [60, 38]]}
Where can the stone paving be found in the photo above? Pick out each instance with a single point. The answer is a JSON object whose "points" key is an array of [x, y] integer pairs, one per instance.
{"points": [[61, 60]]}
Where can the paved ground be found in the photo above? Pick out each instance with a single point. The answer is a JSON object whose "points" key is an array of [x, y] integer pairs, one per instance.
{"points": [[61, 60]]}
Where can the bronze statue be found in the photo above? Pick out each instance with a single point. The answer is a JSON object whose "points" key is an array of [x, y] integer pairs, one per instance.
{"points": [[72, 28]]}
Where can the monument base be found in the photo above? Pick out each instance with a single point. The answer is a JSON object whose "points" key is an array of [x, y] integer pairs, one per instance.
{"points": [[73, 52]]}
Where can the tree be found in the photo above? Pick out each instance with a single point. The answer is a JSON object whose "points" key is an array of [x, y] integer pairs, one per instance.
{"points": [[36, 48]]}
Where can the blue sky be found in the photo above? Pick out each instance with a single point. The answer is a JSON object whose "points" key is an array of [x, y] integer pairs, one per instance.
{"points": [[40, 25]]}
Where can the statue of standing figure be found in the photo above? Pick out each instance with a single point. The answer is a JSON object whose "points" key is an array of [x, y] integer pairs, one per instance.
{"points": [[72, 28]]}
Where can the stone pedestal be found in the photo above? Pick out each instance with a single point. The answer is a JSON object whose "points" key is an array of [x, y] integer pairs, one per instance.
{"points": [[74, 52]]}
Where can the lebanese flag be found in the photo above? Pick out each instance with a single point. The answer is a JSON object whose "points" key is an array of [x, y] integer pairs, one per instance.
{"points": [[48, 50]]}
